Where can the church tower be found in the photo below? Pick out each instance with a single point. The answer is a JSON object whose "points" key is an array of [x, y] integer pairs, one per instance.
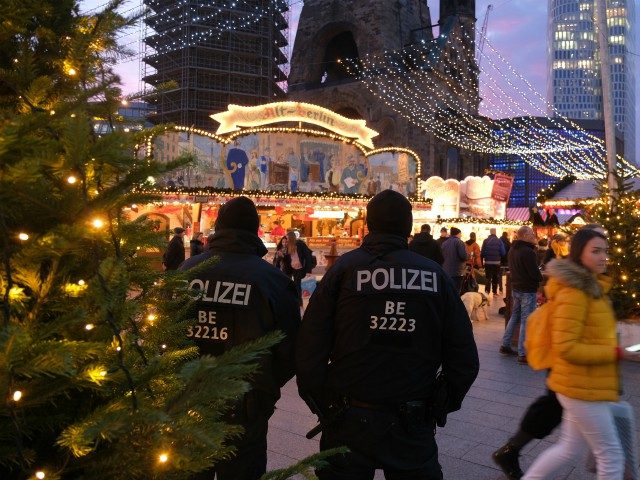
{"points": [[331, 30]]}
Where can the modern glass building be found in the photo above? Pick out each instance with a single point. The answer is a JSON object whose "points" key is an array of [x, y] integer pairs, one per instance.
{"points": [[574, 86]]}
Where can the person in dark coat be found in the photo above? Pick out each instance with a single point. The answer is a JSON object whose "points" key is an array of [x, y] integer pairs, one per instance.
{"points": [[455, 257], [174, 255], [535, 218], [444, 235], [424, 244], [492, 252], [378, 327], [278, 256], [243, 298], [525, 280], [297, 261], [196, 245], [552, 219]]}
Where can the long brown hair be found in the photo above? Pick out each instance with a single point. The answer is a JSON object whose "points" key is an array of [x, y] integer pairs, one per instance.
{"points": [[291, 244]]}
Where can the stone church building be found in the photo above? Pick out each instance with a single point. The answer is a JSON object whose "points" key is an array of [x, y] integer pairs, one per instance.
{"points": [[330, 30]]}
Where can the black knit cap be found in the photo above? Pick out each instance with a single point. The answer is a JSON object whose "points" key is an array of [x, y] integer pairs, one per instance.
{"points": [[389, 212], [239, 213]]}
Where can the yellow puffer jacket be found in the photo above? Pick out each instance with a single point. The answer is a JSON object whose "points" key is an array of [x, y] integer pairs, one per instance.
{"points": [[585, 364]]}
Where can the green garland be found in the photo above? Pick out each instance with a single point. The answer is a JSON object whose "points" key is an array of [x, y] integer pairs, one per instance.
{"points": [[549, 192]]}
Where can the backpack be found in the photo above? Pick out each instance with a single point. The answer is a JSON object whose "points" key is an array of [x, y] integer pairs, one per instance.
{"points": [[538, 338]]}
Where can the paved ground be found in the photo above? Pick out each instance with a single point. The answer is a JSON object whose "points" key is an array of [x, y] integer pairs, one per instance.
{"points": [[489, 414]]}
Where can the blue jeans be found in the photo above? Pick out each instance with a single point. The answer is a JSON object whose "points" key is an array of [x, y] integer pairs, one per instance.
{"points": [[522, 304]]}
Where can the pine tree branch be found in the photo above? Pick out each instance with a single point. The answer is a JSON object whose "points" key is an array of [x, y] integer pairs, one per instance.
{"points": [[6, 261], [116, 331]]}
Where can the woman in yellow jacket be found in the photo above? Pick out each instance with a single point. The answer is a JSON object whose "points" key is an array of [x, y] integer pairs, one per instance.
{"points": [[585, 353]]}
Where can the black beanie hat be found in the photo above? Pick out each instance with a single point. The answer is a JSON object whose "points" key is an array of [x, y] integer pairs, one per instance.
{"points": [[389, 212], [239, 213]]}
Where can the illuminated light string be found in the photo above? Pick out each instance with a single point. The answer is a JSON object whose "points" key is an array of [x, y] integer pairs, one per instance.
{"points": [[217, 27], [509, 150], [593, 160], [403, 69], [412, 98], [631, 168], [546, 130], [429, 102], [564, 138]]}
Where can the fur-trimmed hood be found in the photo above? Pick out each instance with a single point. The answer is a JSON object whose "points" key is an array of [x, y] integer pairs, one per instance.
{"points": [[564, 272]]}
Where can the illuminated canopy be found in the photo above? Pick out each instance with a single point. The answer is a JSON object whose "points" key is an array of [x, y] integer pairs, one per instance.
{"points": [[238, 116]]}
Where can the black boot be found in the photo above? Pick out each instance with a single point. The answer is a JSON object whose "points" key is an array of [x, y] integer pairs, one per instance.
{"points": [[506, 457]]}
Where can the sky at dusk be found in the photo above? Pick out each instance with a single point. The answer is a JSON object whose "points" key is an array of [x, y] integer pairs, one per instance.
{"points": [[516, 30]]}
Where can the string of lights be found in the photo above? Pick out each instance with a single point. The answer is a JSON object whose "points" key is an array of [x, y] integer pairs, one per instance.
{"points": [[408, 86]]}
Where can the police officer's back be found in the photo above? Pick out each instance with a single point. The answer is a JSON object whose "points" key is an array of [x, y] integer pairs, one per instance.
{"points": [[387, 319], [243, 298]]}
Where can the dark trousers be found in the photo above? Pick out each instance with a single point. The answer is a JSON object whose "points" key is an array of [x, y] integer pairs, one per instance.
{"points": [[493, 278], [378, 440], [297, 276], [542, 416], [249, 462]]}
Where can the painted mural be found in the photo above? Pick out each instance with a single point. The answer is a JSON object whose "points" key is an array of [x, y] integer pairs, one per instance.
{"points": [[284, 162]]}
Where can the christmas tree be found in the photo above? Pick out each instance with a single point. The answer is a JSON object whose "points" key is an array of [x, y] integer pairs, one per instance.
{"points": [[97, 377], [618, 212]]}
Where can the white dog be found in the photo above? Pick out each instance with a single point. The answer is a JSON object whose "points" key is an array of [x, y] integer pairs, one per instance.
{"points": [[474, 302]]}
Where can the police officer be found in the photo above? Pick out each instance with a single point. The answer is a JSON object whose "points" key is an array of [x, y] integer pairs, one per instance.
{"points": [[243, 298], [378, 327]]}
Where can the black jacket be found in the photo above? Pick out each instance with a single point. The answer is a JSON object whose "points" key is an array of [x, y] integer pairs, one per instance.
{"points": [[523, 267], [304, 254], [387, 319], [174, 255], [248, 297], [424, 244]]}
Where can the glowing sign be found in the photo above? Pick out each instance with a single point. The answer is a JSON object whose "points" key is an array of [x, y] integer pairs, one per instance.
{"points": [[238, 116]]}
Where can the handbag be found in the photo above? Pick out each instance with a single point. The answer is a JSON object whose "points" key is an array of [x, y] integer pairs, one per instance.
{"points": [[626, 425]]}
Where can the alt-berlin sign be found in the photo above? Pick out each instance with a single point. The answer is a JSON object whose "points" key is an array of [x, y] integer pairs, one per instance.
{"points": [[237, 116]]}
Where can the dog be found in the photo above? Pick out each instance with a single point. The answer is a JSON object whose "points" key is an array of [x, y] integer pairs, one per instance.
{"points": [[474, 302]]}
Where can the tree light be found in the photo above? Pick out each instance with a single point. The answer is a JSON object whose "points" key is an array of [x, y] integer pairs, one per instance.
{"points": [[151, 317], [40, 475], [97, 223], [81, 282], [71, 71], [163, 457], [71, 179], [23, 236], [17, 395], [88, 326]]}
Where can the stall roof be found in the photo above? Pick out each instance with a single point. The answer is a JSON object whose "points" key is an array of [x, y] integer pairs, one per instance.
{"points": [[582, 189]]}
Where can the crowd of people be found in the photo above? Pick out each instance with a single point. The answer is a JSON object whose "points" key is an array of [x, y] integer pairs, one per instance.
{"points": [[386, 349]]}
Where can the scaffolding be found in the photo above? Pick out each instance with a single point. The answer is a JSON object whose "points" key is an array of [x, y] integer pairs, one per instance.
{"points": [[199, 58]]}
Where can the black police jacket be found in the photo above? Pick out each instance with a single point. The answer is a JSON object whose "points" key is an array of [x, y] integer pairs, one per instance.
{"points": [[387, 319], [243, 298]]}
